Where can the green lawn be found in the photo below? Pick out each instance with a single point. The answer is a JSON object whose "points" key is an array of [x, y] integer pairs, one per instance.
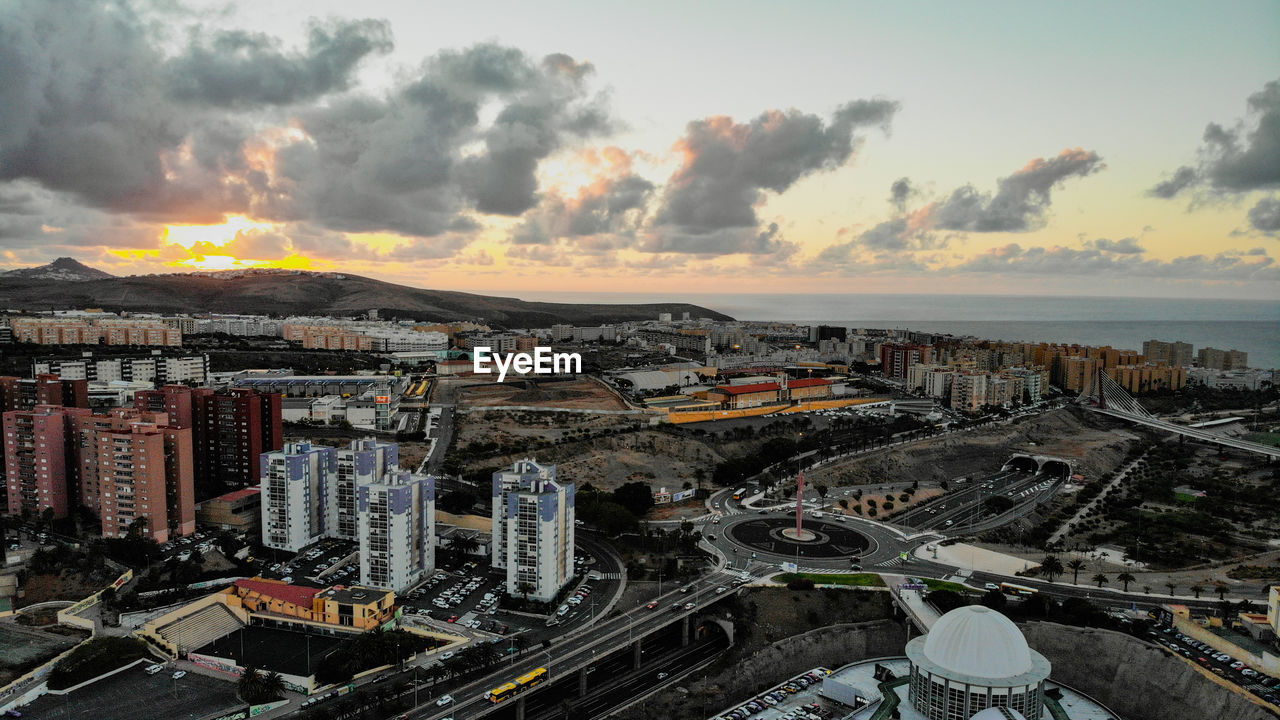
{"points": [[856, 579], [944, 585]]}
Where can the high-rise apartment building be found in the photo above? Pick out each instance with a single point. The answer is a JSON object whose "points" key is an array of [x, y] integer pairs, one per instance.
{"points": [[533, 529], [35, 456], [44, 389], [124, 466], [230, 429], [129, 465], [896, 359], [295, 480], [1216, 359], [362, 462], [396, 528], [1174, 354], [969, 390]]}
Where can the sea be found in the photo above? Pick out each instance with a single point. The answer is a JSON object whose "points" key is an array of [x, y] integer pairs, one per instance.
{"points": [[1249, 325]]}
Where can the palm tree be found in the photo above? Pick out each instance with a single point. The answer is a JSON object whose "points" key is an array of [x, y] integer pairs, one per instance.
{"points": [[1051, 567], [1171, 586], [250, 685], [822, 493], [1146, 589], [1100, 579], [1221, 590], [1197, 590], [1075, 566], [524, 587], [1126, 578]]}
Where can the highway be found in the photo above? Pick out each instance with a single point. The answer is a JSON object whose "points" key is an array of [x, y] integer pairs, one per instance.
{"points": [[576, 651]]}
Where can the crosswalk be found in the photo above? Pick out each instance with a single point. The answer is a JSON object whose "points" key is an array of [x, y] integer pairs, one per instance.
{"points": [[611, 576], [891, 562]]}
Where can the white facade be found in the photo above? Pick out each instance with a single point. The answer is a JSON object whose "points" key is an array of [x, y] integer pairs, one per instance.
{"points": [[293, 485], [396, 520], [972, 659], [533, 530], [362, 462]]}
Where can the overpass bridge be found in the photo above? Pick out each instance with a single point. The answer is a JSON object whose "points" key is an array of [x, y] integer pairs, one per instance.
{"points": [[577, 654], [1111, 399]]}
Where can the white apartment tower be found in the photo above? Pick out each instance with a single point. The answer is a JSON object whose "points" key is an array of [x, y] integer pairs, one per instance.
{"points": [[294, 482], [362, 462], [533, 530], [396, 529]]}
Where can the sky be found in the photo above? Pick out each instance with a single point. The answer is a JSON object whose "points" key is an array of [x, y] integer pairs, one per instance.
{"points": [[1113, 149]]}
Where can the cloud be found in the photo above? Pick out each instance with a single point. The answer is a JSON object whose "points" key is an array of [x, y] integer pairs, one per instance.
{"points": [[606, 212], [1021, 200], [1123, 246], [1265, 216], [899, 192], [709, 204], [1237, 160], [1182, 179], [1228, 267], [238, 68]]}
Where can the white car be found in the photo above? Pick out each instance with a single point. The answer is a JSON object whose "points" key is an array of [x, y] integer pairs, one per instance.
{"points": [[444, 700], [179, 674]]}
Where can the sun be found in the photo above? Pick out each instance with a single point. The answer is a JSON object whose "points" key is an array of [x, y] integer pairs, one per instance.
{"points": [[188, 235]]}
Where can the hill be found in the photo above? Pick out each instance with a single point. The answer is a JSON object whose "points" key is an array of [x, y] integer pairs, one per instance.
{"points": [[297, 292], [64, 268]]}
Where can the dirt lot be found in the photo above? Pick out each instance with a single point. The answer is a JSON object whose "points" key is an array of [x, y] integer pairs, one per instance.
{"points": [[1096, 444], [605, 450], [585, 394]]}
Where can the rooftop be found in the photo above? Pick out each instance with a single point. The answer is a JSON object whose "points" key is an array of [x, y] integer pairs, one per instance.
{"points": [[752, 388], [296, 594]]}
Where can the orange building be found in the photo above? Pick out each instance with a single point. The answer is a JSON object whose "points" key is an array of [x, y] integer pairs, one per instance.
{"points": [[745, 396], [342, 608], [1138, 379], [809, 389]]}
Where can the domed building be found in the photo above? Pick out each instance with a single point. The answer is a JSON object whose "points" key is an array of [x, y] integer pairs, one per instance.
{"points": [[973, 659], [999, 713]]}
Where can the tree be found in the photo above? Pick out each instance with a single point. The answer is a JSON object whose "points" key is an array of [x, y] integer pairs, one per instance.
{"points": [[524, 587], [1075, 566], [1171, 586], [1126, 578], [1221, 590], [1051, 567], [1197, 589], [636, 497], [1146, 589], [1100, 579], [822, 493]]}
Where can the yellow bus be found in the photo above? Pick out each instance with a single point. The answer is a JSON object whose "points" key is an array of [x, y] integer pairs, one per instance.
{"points": [[502, 692], [1017, 590], [530, 679]]}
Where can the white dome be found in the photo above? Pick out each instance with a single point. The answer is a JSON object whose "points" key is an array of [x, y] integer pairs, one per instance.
{"points": [[978, 641], [999, 713]]}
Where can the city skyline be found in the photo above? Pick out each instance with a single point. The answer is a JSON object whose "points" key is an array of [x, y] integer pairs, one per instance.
{"points": [[1113, 151]]}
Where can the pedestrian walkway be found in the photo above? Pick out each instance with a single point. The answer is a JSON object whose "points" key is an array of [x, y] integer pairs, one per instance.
{"points": [[910, 597]]}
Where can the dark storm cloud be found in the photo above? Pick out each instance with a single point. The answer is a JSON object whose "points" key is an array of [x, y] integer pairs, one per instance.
{"points": [[1182, 179], [1021, 199], [709, 204], [1265, 216], [238, 68]]}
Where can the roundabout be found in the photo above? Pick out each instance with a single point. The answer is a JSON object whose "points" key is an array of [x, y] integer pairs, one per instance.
{"points": [[776, 536]]}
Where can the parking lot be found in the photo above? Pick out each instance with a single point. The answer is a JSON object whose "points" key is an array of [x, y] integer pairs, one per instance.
{"points": [[327, 562], [1219, 663], [785, 701], [119, 696]]}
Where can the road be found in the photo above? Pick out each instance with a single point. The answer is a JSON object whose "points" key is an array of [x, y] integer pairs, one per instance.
{"points": [[576, 651]]}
